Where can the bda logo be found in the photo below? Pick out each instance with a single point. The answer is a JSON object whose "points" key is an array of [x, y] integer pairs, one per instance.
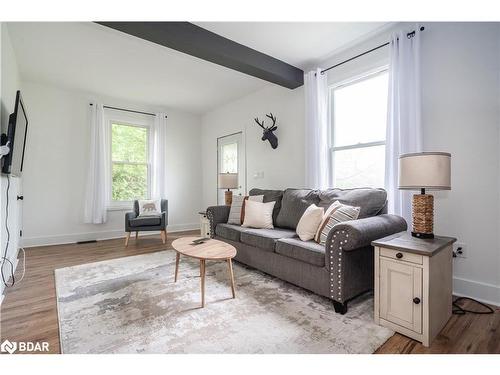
{"points": [[8, 346]]}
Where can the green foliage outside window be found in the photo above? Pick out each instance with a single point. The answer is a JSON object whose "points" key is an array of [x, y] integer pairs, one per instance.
{"points": [[129, 153]]}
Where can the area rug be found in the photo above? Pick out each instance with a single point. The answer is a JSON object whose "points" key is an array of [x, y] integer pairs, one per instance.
{"points": [[132, 305]]}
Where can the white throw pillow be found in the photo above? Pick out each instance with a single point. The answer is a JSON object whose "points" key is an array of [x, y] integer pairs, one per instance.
{"points": [[149, 207], [237, 210], [309, 222], [258, 215]]}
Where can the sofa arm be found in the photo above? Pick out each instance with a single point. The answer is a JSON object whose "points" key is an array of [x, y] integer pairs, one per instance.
{"points": [[360, 233], [164, 219], [128, 217], [217, 215], [348, 257]]}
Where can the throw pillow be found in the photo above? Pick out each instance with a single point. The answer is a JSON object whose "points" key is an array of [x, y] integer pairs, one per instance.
{"points": [[341, 214], [253, 198], [258, 215], [237, 211], [309, 222], [149, 207], [329, 211]]}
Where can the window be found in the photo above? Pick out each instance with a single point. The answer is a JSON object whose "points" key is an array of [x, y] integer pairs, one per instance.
{"points": [[229, 158], [130, 167], [358, 117]]}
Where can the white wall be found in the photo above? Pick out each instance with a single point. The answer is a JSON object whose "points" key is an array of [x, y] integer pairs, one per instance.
{"points": [[461, 91], [56, 167], [282, 167], [9, 85], [460, 83]]}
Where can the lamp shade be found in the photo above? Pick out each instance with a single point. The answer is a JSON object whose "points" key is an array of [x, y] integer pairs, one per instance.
{"points": [[228, 180], [425, 170]]}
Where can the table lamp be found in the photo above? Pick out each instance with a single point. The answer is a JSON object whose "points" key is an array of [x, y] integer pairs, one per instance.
{"points": [[228, 181], [420, 171]]}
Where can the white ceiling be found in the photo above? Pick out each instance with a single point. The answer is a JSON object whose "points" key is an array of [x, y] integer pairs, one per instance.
{"points": [[96, 59], [298, 43]]}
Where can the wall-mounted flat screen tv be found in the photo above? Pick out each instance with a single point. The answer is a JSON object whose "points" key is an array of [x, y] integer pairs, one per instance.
{"points": [[16, 136]]}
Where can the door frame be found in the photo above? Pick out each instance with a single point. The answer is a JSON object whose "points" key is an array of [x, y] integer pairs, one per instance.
{"points": [[243, 141]]}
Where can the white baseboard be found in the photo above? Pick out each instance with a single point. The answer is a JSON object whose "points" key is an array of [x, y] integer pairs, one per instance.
{"points": [[91, 236], [484, 292]]}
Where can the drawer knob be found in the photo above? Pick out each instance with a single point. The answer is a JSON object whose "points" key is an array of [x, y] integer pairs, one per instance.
{"points": [[399, 255], [416, 300]]}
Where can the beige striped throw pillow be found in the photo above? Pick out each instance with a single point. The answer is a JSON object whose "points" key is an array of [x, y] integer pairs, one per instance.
{"points": [[341, 213]]}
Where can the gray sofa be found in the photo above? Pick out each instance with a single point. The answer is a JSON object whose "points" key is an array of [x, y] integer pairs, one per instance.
{"points": [[340, 270]]}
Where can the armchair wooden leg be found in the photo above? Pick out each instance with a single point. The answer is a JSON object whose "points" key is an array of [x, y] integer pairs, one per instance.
{"points": [[136, 235], [163, 236], [127, 238]]}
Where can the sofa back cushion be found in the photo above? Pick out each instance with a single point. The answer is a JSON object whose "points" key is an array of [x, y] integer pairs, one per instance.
{"points": [[371, 201], [293, 206], [270, 196]]}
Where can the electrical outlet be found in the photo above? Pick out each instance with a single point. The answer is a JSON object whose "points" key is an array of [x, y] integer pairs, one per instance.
{"points": [[460, 250]]}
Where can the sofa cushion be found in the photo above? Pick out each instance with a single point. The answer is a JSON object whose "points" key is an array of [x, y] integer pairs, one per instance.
{"points": [[229, 231], [270, 196], [308, 251], [371, 201], [265, 238], [293, 206], [145, 221]]}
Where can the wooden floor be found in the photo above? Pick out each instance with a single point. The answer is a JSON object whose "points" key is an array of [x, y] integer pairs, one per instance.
{"points": [[29, 312]]}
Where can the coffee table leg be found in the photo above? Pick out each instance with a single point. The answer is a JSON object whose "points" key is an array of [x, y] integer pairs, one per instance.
{"points": [[230, 263], [177, 258], [202, 266]]}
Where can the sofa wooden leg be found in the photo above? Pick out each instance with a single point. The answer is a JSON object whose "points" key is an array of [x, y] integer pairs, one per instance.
{"points": [[136, 235], [163, 236], [127, 238], [340, 308]]}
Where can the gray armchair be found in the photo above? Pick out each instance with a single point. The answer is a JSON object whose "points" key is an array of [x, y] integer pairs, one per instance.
{"points": [[134, 223]]}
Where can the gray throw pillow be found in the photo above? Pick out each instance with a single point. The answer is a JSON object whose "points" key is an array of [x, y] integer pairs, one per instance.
{"points": [[293, 206], [372, 201]]}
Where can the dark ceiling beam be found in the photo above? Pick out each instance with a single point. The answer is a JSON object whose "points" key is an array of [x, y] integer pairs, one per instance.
{"points": [[199, 42]]}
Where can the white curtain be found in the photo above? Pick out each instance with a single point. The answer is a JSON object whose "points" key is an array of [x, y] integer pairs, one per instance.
{"points": [[159, 157], [404, 128], [98, 176], [316, 131]]}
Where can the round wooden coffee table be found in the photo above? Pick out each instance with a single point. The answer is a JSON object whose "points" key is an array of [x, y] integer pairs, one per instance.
{"points": [[208, 250]]}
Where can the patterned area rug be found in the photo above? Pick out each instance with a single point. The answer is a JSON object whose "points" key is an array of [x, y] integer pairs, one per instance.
{"points": [[132, 305]]}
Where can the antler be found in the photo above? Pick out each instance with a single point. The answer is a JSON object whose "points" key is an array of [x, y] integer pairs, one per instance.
{"points": [[261, 125], [273, 118]]}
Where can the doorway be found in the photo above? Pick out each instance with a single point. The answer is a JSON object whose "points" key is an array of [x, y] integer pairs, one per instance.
{"points": [[231, 157]]}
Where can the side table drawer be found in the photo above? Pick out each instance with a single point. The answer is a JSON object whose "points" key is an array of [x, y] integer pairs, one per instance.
{"points": [[400, 255]]}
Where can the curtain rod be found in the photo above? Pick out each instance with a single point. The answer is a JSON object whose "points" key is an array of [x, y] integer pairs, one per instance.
{"points": [[409, 35], [129, 110]]}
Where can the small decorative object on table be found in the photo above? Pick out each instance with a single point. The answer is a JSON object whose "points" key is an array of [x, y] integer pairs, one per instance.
{"points": [[228, 181], [413, 284], [420, 171]]}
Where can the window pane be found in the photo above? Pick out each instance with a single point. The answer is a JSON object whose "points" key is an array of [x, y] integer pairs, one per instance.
{"points": [[360, 111], [130, 181], [129, 143], [229, 158], [360, 167]]}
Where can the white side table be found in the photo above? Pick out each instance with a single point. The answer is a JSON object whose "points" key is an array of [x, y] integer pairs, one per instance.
{"points": [[413, 284], [204, 225]]}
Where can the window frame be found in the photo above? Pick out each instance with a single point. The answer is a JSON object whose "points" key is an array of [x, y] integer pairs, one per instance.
{"points": [[133, 121], [331, 111]]}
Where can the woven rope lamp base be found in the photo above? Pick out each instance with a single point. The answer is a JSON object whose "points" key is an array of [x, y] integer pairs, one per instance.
{"points": [[228, 197], [423, 216]]}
